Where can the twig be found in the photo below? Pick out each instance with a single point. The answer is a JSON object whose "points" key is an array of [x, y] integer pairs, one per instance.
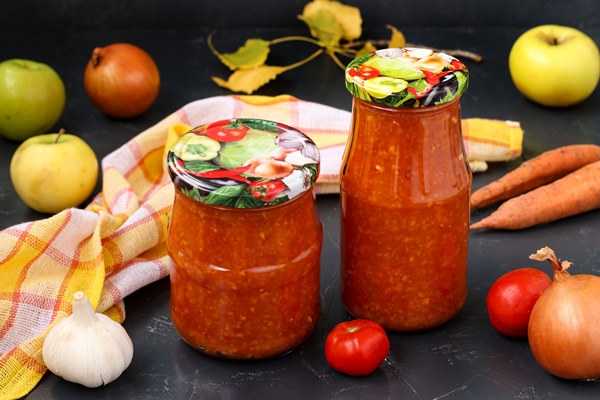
{"points": [[453, 52], [459, 53], [340, 64], [296, 38], [304, 61]]}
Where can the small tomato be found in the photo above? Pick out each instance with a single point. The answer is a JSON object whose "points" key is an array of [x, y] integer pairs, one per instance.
{"points": [[356, 347], [226, 131], [267, 190], [368, 72], [512, 297]]}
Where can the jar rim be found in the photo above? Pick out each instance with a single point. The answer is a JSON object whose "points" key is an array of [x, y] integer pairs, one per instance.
{"points": [[395, 110], [222, 208]]}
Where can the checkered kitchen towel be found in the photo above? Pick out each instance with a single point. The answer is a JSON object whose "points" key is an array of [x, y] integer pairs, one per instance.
{"points": [[117, 244]]}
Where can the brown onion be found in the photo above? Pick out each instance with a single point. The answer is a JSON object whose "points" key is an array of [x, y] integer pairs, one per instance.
{"points": [[564, 327], [122, 80]]}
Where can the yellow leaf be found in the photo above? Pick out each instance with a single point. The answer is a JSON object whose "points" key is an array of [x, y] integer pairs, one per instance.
{"points": [[249, 80], [251, 55], [347, 17], [367, 48], [323, 26], [397, 39]]}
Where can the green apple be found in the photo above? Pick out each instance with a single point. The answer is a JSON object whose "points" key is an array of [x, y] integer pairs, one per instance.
{"points": [[54, 171], [555, 65], [32, 98]]}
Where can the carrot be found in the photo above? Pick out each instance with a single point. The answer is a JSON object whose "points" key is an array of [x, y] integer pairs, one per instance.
{"points": [[575, 193], [538, 171]]}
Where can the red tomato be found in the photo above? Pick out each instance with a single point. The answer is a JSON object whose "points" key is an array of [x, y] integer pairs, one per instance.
{"points": [[225, 131], [512, 297], [267, 190], [356, 347], [364, 71], [368, 72]]}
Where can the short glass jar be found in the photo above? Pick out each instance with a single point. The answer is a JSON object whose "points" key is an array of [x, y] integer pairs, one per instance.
{"points": [[245, 238]]}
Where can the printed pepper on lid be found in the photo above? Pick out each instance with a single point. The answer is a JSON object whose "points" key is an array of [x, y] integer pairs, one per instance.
{"points": [[243, 163], [407, 77]]}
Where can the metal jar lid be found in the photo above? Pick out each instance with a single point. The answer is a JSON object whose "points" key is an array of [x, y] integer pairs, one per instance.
{"points": [[407, 77], [243, 163]]}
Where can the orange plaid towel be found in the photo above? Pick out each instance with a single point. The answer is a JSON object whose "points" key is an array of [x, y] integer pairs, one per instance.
{"points": [[117, 244], [491, 140]]}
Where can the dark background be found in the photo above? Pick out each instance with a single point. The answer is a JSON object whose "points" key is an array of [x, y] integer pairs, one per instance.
{"points": [[464, 359], [86, 15]]}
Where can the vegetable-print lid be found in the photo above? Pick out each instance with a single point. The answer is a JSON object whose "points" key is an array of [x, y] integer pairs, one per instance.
{"points": [[407, 77], [243, 163]]}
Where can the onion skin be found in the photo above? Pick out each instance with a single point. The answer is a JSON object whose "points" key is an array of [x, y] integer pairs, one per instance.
{"points": [[122, 80], [563, 330]]}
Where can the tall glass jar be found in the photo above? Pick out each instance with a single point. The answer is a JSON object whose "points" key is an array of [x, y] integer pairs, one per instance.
{"points": [[405, 186], [245, 238]]}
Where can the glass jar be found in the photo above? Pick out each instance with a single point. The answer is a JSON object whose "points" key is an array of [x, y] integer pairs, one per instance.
{"points": [[245, 238], [405, 186]]}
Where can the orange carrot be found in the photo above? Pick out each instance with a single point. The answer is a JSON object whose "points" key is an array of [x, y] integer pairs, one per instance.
{"points": [[545, 168], [573, 194]]}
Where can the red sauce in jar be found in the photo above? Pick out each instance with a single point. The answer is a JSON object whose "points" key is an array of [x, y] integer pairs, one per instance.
{"points": [[245, 238], [405, 186], [245, 284]]}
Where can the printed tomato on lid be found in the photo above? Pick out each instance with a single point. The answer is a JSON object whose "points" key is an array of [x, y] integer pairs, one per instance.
{"points": [[407, 77], [243, 163]]}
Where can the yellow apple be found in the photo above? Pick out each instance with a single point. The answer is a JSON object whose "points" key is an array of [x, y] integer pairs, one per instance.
{"points": [[555, 65], [54, 171]]}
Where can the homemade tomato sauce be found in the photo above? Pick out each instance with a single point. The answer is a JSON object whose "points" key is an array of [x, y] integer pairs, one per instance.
{"points": [[405, 186], [245, 238], [245, 284]]}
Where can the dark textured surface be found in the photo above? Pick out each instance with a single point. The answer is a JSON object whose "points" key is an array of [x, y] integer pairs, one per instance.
{"points": [[77, 15], [464, 359]]}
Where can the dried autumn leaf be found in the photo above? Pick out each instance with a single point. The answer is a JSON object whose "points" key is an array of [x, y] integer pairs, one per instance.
{"points": [[324, 26], [249, 80], [251, 55], [330, 22], [397, 39], [348, 18]]}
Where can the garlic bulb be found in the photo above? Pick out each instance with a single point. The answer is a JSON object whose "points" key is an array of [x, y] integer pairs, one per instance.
{"points": [[87, 347]]}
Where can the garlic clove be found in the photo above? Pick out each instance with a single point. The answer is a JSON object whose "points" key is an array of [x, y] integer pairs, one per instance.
{"points": [[298, 159], [87, 347]]}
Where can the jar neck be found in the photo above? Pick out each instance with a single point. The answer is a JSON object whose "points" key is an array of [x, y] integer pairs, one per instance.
{"points": [[406, 112], [375, 123], [408, 153]]}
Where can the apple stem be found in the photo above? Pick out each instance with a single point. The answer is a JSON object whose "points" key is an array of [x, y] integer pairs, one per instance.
{"points": [[60, 133]]}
